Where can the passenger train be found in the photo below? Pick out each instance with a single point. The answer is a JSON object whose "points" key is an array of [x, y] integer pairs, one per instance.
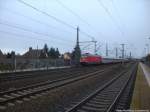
{"points": [[89, 59]]}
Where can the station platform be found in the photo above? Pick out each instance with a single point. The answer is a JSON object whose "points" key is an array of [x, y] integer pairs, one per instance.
{"points": [[141, 94]]}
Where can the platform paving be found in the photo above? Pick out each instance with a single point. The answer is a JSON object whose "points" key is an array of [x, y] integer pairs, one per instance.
{"points": [[146, 71], [141, 95]]}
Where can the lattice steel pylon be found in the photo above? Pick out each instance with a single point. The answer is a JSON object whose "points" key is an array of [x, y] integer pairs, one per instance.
{"points": [[77, 50]]}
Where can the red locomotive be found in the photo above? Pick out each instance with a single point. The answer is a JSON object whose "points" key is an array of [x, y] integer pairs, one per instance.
{"points": [[87, 59]]}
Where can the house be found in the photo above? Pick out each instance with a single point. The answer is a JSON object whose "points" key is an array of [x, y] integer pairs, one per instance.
{"points": [[67, 56], [35, 53]]}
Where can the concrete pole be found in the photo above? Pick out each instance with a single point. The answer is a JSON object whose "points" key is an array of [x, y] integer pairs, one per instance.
{"points": [[147, 45], [106, 50], [145, 51], [130, 55], [13, 56], [116, 52], [95, 47], [123, 50], [123, 53], [77, 36]]}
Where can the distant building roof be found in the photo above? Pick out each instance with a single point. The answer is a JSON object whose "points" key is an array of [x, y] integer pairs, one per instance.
{"points": [[35, 53]]}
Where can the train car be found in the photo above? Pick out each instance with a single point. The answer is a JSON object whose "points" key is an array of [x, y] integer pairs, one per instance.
{"points": [[111, 60], [89, 59], [114, 60]]}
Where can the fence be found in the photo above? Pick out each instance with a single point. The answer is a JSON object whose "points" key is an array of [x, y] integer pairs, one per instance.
{"points": [[32, 64]]}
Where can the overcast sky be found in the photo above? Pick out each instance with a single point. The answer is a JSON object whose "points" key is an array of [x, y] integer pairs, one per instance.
{"points": [[109, 21]]}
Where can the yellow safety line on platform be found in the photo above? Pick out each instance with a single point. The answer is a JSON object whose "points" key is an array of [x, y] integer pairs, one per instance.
{"points": [[141, 94], [146, 71]]}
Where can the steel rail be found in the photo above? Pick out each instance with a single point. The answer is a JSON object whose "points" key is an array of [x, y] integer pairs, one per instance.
{"points": [[112, 106], [50, 82], [53, 85], [88, 98], [130, 80]]}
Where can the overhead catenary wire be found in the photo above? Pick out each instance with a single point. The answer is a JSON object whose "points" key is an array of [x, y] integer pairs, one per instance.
{"points": [[30, 37], [73, 12], [40, 22], [87, 34], [110, 15], [49, 15], [35, 20], [86, 46], [118, 14], [80, 18], [35, 32]]}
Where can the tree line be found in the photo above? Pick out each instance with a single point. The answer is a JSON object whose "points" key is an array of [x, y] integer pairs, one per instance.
{"points": [[47, 53], [51, 52]]}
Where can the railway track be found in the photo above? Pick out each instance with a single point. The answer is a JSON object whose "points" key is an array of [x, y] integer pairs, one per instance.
{"points": [[47, 76], [110, 96], [33, 90], [31, 74]]}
